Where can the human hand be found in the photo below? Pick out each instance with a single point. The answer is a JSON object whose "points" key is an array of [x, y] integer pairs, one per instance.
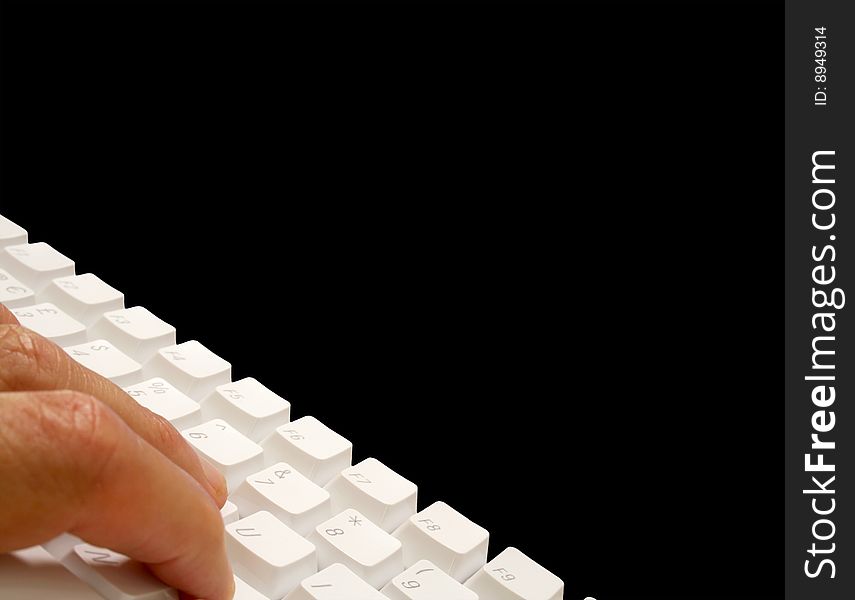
{"points": [[78, 455]]}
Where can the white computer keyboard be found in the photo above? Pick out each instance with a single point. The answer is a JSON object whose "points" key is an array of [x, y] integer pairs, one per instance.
{"points": [[302, 522]]}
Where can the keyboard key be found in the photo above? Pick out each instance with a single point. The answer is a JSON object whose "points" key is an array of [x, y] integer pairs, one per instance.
{"points": [[84, 297], [229, 512], [11, 234], [135, 331], [35, 264], [376, 491], [443, 536], [351, 539], [514, 576], [233, 454], [106, 360], [250, 407], [115, 576], [311, 447], [49, 321], [426, 581], [161, 398], [287, 494], [268, 555], [13, 293], [336, 582], [243, 591], [191, 367]]}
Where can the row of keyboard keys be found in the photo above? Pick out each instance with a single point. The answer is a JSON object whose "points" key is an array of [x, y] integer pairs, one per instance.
{"points": [[270, 560], [372, 556], [306, 444], [190, 367], [134, 331]]}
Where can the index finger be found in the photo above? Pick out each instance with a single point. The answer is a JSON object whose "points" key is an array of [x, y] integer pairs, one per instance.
{"points": [[68, 463], [29, 362], [7, 317]]}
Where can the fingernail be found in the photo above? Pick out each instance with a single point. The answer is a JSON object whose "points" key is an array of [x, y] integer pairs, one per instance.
{"points": [[214, 477]]}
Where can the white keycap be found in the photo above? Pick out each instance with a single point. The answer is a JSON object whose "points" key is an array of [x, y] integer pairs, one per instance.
{"points": [[287, 494], [191, 368], [13, 293], [425, 581], [115, 576], [233, 454], [250, 407], [161, 398], [351, 539], [49, 321], [443, 536], [243, 591], [376, 491], [35, 264], [336, 582], [11, 234], [135, 331], [108, 361], [514, 576], [229, 512], [268, 555], [85, 297], [311, 447]]}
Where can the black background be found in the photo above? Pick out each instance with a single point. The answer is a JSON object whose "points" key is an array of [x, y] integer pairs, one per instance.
{"points": [[524, 255]]}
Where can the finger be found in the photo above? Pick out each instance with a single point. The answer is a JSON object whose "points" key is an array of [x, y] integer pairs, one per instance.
{"points": [[69, 463], [29, 362], [7, 317]]}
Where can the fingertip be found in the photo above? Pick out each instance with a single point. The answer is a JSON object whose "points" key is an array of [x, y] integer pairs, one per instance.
{"points": [[219, 489], [228, 592]]}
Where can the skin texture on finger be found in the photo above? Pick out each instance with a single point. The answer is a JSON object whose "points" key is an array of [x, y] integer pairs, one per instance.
{"points": [[69, 463], [29, 362], [7, 317]]}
